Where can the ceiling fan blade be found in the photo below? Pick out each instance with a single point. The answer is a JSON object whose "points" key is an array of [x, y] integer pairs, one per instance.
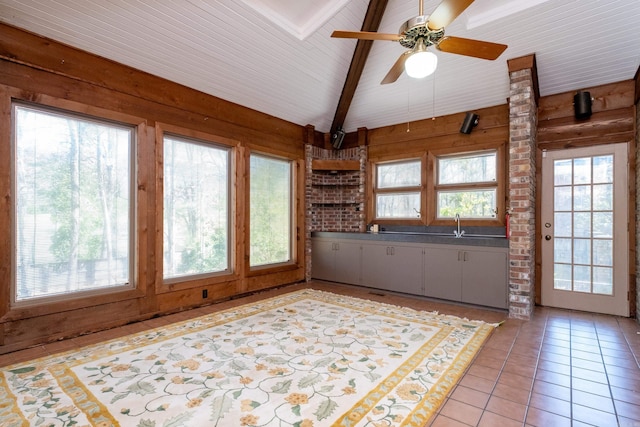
{"points": [[365, 35], [470, 47], [446, 12], [396, 70]]}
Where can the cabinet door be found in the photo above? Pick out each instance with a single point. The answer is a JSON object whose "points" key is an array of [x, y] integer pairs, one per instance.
{"points": [[375, 265], [322, 260], [405, 269], [347, 263], [443, 273], [392, 267], [484, 278]]}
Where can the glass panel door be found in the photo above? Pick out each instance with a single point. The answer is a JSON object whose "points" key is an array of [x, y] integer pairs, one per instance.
{"points": [[584, 229]]}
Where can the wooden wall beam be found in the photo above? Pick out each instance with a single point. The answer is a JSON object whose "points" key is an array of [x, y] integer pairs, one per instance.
{"points": [[605, 124], [489, 138], [605, 98], [491, 117]]}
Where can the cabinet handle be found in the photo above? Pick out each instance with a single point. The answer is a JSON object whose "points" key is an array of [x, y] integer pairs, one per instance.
{"points": [[465, 256]]}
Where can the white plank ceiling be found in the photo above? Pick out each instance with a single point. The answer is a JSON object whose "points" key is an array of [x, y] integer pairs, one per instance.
{"points": [[278, 57]]}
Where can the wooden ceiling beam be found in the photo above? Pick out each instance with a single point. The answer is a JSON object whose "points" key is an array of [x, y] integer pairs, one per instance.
{"points": [[371, 23]]}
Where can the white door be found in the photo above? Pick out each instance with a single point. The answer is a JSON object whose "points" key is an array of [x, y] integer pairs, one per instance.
{"points": [[585, 242]]}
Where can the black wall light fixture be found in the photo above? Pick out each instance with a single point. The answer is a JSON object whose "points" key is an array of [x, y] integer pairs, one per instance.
{"points": [[337, 138], [470, 121], [582, 105]]}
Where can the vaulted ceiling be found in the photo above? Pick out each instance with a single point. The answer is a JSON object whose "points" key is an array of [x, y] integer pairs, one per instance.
{"points": [[278, 56]]}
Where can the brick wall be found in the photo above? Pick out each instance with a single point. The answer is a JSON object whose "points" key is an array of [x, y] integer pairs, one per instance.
{"points": [[335, 202], [334, 199], [522, 193]]}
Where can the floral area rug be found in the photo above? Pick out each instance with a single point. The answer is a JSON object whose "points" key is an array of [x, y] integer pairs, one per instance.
{"points": [[304, 359]]}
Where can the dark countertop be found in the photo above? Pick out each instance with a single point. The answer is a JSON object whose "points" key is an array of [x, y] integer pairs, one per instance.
{"points": [[486, 240]]}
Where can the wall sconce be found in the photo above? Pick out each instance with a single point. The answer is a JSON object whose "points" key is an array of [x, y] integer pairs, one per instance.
{"points": [[582, 105], [470, 121]]}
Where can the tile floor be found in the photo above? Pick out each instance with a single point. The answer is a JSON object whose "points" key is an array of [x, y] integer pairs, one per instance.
{"points": [[562, 368]]}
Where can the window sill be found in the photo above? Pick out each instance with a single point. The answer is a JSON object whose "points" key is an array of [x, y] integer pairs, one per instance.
{"points": [[191, 282], [272, 268], [45, 307]]}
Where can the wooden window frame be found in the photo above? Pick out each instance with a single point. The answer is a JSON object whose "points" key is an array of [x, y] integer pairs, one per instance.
{"points": [[499, 185], [373, 191], [429, 188], [230, 223], [297, 213], [197, 280], [44, 306]]}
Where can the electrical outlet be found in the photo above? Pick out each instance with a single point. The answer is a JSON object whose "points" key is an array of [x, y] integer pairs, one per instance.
{"points": [[205, 293]]}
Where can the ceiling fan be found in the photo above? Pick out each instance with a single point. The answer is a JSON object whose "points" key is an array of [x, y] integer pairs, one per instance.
{"points": [[423, 31]]}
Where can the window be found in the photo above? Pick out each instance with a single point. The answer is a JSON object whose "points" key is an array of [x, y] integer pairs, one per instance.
{"points": [[271, 211], [398, 189], [74, 208], [466, 185], [196, 208]]}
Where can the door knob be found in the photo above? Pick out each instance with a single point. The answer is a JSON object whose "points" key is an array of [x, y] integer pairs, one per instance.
{"points": [[547, 237]]}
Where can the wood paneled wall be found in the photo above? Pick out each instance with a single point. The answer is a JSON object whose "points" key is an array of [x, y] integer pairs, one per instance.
{"points": [[612, 118], [39, 70], [438, 133]]}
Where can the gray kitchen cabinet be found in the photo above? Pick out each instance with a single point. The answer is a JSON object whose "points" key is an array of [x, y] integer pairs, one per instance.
{"points": [[393, 267], [467, 274], [443, 273], [336, 261], [471, 274], [484, 278]]}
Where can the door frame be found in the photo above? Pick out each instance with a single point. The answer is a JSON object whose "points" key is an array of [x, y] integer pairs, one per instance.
{"points": [[631, 218]]}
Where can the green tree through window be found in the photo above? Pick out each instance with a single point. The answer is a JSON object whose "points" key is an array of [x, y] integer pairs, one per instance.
{"points": [[196, 208], [467, 185], [397, 189], [73, 203], [270, 210]]}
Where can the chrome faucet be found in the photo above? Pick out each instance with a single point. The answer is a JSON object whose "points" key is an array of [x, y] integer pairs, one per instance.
{"points": [[457, 232]]}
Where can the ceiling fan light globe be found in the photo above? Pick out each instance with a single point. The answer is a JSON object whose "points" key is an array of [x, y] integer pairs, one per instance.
{"points": [[421, 64]]}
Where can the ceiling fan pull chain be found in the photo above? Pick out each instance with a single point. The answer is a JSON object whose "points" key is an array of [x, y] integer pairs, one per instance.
{"points": [[433, 98], [408, 107]]}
